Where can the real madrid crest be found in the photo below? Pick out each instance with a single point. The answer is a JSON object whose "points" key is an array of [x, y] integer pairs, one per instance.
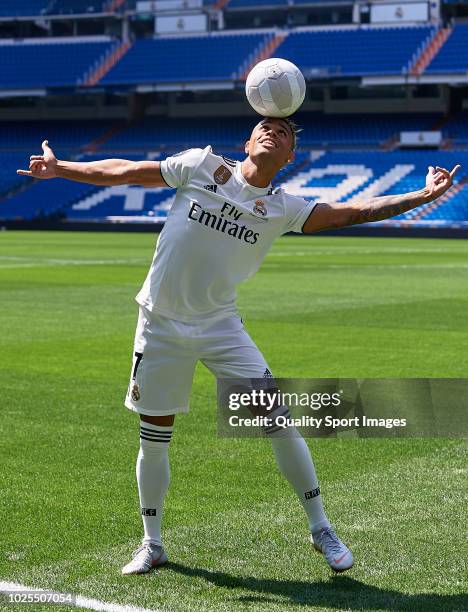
{"points": [[260, 208], [135, 392]]}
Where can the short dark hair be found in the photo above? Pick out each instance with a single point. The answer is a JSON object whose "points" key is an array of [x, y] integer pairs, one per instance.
{"points": [[295, 129]]}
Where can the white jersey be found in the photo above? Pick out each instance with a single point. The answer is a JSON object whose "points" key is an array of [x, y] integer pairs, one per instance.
{"points": [[217, 233]]}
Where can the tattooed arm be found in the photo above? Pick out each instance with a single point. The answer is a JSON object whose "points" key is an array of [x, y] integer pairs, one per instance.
{"points": [[331, 216]]}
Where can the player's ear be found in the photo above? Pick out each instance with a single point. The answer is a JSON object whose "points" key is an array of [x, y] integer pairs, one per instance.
{"points": [[246, 148], [291, 156]]}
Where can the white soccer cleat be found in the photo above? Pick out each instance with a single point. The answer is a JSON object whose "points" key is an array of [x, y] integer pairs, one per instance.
{"points": [[144, 559], [338, 556]]}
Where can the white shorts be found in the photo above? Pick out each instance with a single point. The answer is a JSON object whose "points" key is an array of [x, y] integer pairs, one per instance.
{"points": [[166, 352]]}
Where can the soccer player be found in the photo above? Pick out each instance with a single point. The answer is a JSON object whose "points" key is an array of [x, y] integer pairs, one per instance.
{"points": [[223, 220]]}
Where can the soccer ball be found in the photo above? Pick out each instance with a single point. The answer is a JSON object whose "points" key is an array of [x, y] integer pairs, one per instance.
{"points": [[275, 87]]}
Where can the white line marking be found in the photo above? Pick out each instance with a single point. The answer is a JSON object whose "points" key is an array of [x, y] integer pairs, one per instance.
{"points": [[342, 251], [81, 602], [23, 262]]}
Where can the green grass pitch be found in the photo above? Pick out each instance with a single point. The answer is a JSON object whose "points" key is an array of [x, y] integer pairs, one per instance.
{"points": [[235, 534]]}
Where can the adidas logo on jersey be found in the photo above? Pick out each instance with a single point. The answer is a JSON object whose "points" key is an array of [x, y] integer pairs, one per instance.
{"points": [[213, 188]]}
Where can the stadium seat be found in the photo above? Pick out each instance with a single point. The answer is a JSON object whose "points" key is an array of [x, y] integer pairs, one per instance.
{"points": [[56, 64], [23, 8], [338, 176], [453, 55], [356, 175], [65, 7], [252, 4], [457, 128], [354, 52], [63, 136], [218, 57]]}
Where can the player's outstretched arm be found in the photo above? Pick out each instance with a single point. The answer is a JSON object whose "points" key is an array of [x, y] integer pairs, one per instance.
{"points": [[331, 216], [106, 172]]}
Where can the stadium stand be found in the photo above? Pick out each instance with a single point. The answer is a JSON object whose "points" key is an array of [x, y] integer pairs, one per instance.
{"points": [[457, 128], [318, 129], [255, 4], [233, 4], [32, 8], [57, 197], [23, 8], [353, 130], [453, 212], [56, 64], [9, 162], [223, 57], [354, 52], [171, 134], [218, 58], [340, 156], [337, 176], [64, 7], [453, 55], [152, 133], [354, 175], [44, 198], [63, 135]]}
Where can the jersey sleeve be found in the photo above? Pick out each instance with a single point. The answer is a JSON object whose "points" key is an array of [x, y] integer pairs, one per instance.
{"points": [[178, 169], [297, 213]]}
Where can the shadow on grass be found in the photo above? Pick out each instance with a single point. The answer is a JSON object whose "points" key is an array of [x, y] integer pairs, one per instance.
{"points": [[339, 592]]}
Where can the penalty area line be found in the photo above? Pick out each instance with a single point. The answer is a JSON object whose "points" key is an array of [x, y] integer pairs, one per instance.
{"points": [[78, 600]]}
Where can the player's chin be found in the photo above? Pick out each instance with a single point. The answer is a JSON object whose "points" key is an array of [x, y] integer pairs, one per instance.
{"points": [[269, 151]]}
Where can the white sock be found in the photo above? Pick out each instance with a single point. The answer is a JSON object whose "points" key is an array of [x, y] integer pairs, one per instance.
{"points": [[152, 471], [295, 463]]}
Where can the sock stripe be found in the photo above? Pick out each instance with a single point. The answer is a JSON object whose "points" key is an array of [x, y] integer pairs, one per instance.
{"points": [[156, 431], [166, 441]]}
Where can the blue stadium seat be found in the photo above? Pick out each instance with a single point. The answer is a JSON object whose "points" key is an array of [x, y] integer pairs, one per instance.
{"points": [[354, 52], [342, 176], [355, 129], [9, 163], [66, 7], [453, 55], [315, 173], [44, 198], [31, 8], [56, 64], [175, 134], [23, 8], [69, 136], [168, 60], [457, 128], [317, 129], [256, 3]]}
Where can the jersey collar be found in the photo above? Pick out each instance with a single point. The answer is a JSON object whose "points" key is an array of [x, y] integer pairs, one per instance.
{"points": [[257, 190]]}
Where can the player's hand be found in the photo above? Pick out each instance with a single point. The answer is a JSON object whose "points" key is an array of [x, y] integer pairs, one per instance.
{"points": [[439, 180], [41, 166]]}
